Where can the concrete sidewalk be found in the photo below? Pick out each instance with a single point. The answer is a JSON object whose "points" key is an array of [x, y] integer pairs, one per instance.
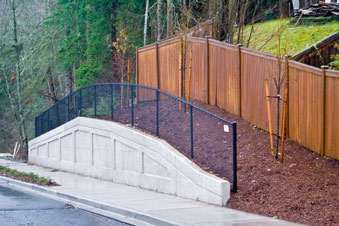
{"points": [[131, 204]]}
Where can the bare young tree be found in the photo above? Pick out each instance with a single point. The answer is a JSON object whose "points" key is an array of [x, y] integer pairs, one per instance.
{"points": [[158, 20], [278, 77], [146, 24], [169, 20]]}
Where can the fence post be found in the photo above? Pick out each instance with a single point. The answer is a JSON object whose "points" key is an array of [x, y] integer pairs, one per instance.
{"points": [[157, 111], [192, 142], [323, 110], [287, 58], [112, 106], [235, 180], [157, 64], [95, 101], [239, 79], [132, 109], [208, 69]]}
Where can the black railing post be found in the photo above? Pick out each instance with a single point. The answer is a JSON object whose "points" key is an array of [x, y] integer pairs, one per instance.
{"points": [[112, 106], [48, 127], [132, 109], [36, 126], [191, 119], [58, 114], [43, 124], [39, 126], [234, 130], [157, 112], [80, 103], [95, 101]]}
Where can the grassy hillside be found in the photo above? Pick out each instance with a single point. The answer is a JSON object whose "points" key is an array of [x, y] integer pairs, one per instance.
{"points": [[293, 40]]}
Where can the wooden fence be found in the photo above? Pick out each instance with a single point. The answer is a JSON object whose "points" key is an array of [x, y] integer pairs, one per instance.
{"points": [[233, 78]]}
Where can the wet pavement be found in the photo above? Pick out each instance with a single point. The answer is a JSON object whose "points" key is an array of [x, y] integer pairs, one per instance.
{"points": [[22, 208]]}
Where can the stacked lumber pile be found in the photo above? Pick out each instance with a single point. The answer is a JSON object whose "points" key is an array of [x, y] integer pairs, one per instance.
{"points": [[320, 9]]}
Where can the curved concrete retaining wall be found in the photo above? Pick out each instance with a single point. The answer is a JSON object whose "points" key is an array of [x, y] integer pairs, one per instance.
{"points": [[120, 154]]}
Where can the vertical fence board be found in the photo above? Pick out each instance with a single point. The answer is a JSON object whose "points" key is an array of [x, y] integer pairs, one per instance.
{"points": [[305, 106], [332, 115], [199, 68], [147, 67], [224, 76], [169, 66], [147, 71]]}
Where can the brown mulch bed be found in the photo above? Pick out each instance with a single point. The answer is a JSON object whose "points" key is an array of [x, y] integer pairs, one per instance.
{"points": [[304, 189]]}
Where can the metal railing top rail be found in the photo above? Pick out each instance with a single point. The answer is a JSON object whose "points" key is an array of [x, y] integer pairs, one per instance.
{"points": [[141, 86]]}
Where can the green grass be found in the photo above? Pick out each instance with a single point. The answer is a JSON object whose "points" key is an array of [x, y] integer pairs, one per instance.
{"points": [[293, 40], [26, 176]]}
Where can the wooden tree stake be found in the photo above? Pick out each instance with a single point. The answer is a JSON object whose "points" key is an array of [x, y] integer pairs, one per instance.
{"points": [[122, 87], [189, 81], [208, 70], [283, 124], [128, 80], [180, 75], [269, 117], [136, 71]]}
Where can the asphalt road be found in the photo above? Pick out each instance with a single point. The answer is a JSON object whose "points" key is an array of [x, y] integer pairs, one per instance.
{"points": [[22, 208]]}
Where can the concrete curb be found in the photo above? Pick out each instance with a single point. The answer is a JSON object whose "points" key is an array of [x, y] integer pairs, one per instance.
{"points": [[125, 213]]}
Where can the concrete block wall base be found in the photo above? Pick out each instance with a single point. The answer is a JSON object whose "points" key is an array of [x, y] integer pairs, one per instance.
{"points": [[117, 153]]}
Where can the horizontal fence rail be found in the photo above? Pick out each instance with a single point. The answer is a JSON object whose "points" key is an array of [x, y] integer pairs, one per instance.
{"points": [[208, 139]]}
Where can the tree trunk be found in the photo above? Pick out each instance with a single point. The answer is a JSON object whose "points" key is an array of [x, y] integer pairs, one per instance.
{"points": [[241, 25], [17, 107], [159, 20], [146, 18], [232, 19], [113, 20], [284, 8], [219, 23], [169, 18], [51, 87], [212, 7]]}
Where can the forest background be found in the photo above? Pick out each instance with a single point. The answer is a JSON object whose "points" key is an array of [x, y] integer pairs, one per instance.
{"points": [[49, 48]]}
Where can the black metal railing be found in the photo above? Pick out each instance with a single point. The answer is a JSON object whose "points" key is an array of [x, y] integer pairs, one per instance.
{"points": [[208, 139]]}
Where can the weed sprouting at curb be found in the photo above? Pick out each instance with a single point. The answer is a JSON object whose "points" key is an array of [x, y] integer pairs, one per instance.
{"points": [[27, 177]]}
